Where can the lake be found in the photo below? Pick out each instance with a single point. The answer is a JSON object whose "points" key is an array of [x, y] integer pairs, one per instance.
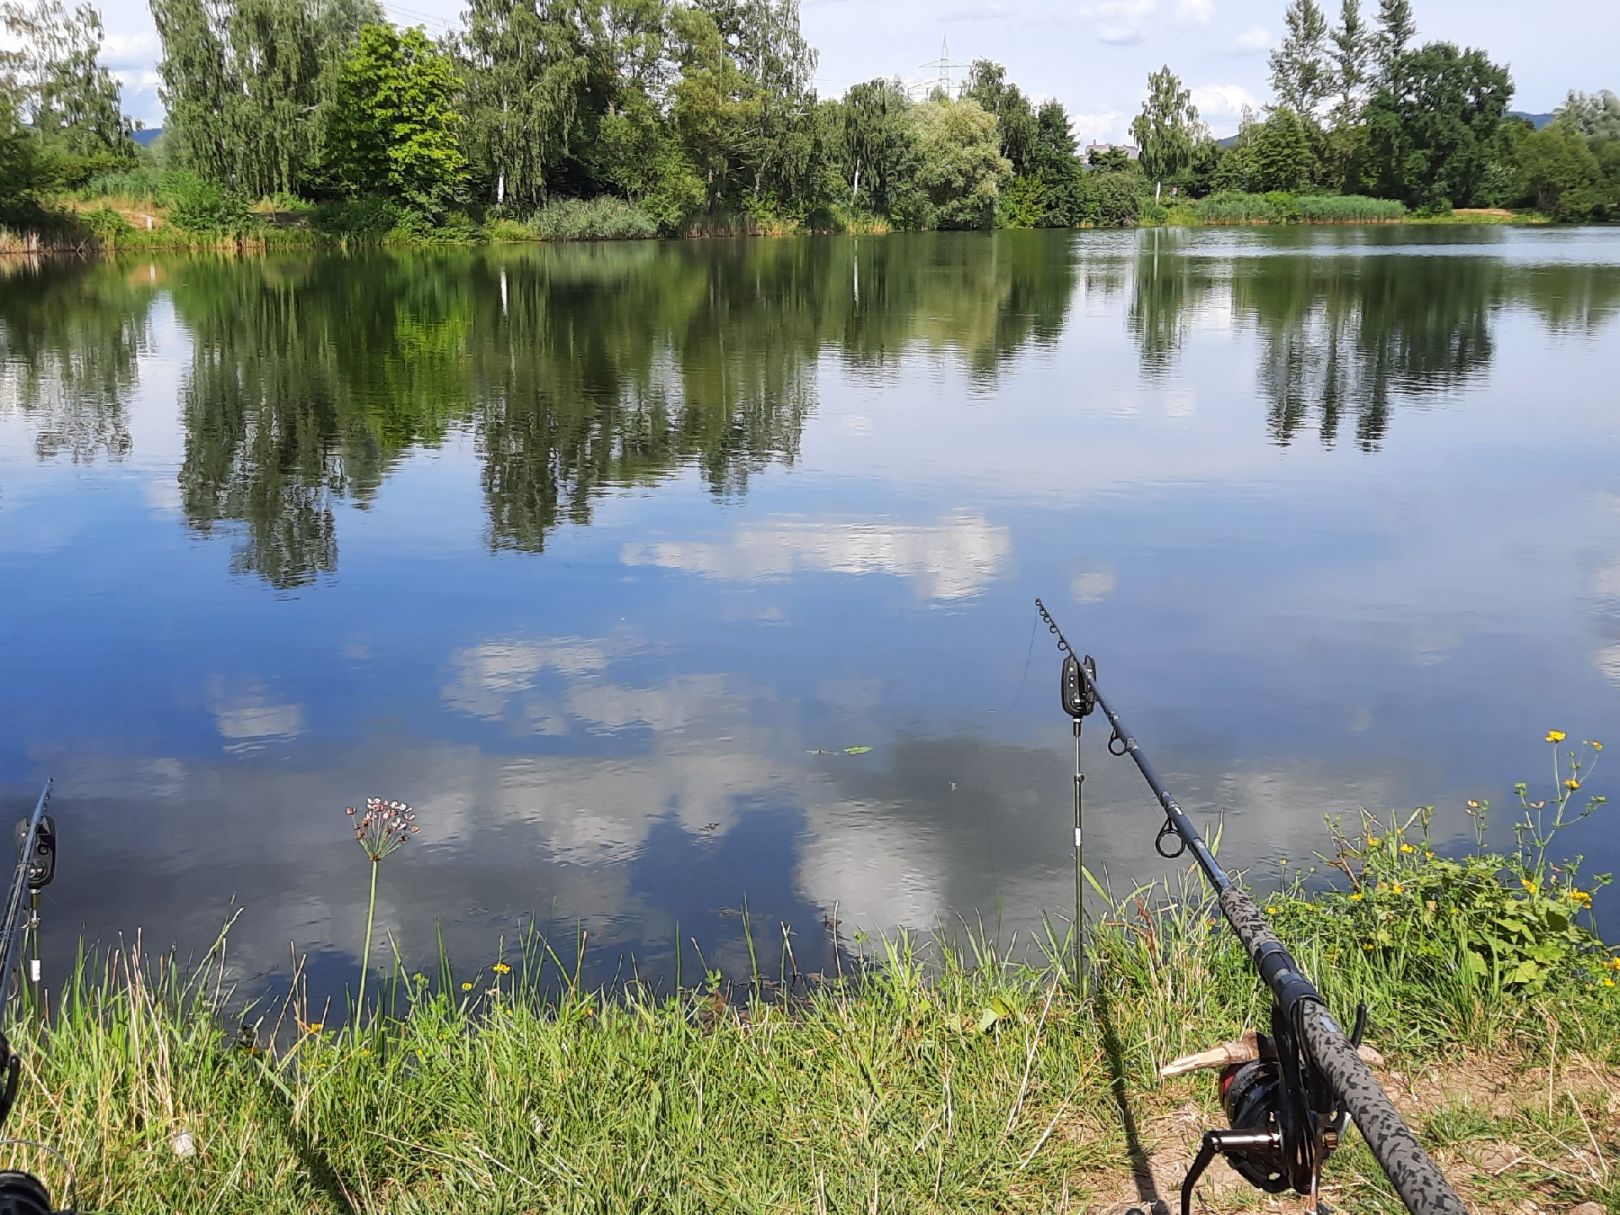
{"points": [[669, 579]]}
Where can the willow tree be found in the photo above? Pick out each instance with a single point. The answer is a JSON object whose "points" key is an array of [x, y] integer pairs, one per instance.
{"points": [[1167, 130], [249, 85], [53, 78], [526, 72]]}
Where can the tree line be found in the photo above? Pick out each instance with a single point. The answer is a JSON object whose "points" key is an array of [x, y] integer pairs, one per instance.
{"points": [[703, 115], [1360, 107]]}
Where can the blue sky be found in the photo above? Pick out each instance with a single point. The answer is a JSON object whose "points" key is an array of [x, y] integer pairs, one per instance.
{"points": [[1093, 55]]}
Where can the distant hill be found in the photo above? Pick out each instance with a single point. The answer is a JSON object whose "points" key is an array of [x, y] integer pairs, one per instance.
{"points": [[148, 136]]}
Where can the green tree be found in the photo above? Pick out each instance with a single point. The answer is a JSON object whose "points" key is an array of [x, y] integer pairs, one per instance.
{"points": [[396, 129], [1431, 129], [1280, 154], [960, 166], [1594, 115], [526, 74], [60, 90], [879, 144], [250, 86], [1396, 29], [1301, 76], [987, 84], [1562, 172], [1167, 130], [1352, 62], [715, 104]]}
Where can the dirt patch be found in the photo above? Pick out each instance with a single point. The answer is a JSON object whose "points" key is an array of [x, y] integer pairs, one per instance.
{"points": [[1511, 1167]]}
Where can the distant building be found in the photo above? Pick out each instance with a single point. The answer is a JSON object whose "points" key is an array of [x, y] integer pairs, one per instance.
{"points": [[1130, 149]]}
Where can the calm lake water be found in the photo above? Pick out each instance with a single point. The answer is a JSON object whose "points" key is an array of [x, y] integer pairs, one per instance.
{"points": [[602, 557]]}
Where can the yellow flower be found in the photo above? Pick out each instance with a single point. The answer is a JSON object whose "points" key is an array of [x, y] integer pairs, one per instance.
{"points": [[1530, 884], [1408, 848], [467, 986], [1582, 898], [1596, 745], [1571, 784], [1367, 946], [1472, 804], [1556, 736], [501, 968], [1357, 897], [314, 1027], [1398, 888], [1272, 910], [1608, 982], [1613, 963]]}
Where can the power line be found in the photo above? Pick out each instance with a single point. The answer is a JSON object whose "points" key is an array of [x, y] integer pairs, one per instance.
{"points": [[944, 65]]}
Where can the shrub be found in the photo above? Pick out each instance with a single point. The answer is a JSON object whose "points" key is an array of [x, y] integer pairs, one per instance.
{"points": [[506, 231], [1233, 207], [202, 206], [603, 218], [357, 220], [105, 224], [1350, 209]]}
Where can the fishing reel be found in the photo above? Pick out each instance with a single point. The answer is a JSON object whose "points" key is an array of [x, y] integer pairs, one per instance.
{"points": [[1284, 1118]]}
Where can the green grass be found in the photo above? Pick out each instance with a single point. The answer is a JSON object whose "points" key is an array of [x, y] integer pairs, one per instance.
{"points": [[1231, 208], [592, 219], [941, 1074]]}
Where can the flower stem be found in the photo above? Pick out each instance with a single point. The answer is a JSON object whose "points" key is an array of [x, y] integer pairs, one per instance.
{"points": [[365, 953]]}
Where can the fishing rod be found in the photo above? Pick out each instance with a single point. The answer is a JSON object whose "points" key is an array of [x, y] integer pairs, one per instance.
{"points": [[1288, 1095], [36, 867]]}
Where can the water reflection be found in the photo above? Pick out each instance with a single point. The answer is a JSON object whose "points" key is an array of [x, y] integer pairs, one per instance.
{"points": [[589, 368], [661, 577]]}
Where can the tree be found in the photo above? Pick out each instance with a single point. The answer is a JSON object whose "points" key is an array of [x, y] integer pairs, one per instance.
{"points": [[1015, 119], [879, 143], [1594, 115], [396, 132], [1167, 130], [715, 106], [1300, 75], [765, 43], [526, 72], [960, 167], [1396, 29], [1561, 171], [1431, 129], [1352, 62], [1280, 154], [57, 85], [250, 86]]}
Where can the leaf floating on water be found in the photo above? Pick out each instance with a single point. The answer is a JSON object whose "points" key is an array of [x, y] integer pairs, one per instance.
{"points": [[856, 750]]}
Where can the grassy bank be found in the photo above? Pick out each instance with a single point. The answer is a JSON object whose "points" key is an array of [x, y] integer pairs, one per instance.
{"points": [[934, 1076], [1235, 209]]}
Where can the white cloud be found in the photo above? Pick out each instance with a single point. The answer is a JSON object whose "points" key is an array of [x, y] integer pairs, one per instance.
{"points": [[138, 79], [1121, 22], [952, 559], [247, 718], [1104, 126], [487, 676], [1607, 660], [1221, 106], [1093, 586], [1195, 12], [1252, 41], [138, 50]]}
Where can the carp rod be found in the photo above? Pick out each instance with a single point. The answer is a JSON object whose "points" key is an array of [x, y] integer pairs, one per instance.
{"points": [[1290, 1100]]}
